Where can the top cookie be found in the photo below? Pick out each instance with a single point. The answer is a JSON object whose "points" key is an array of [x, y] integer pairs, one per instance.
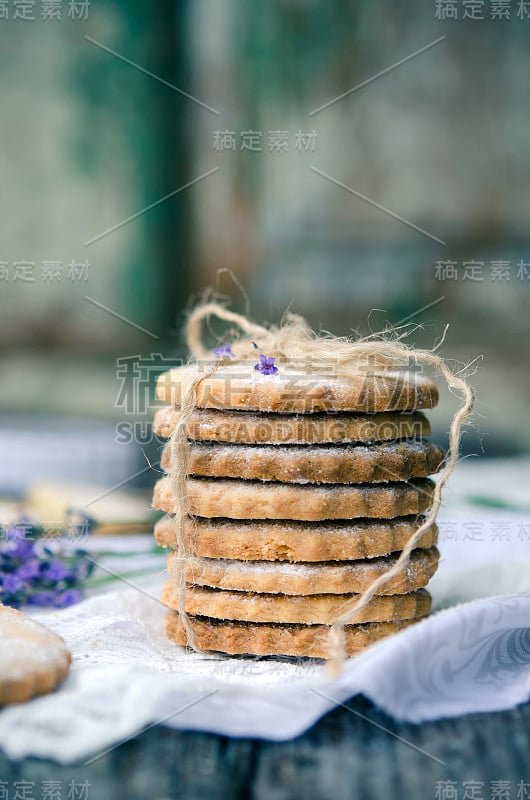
{"points": [[240, 386]]}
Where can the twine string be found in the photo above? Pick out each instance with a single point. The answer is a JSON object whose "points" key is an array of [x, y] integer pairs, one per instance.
{"points": [[179, 446], [291, 341]]}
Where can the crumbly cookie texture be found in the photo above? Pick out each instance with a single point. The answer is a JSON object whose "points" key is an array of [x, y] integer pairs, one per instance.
{"points": [[281, 608], [289, 640], [247, 427], [289, 540], [377, 463], [240, 499], [342, 577], [293, 389], [33, 659]]}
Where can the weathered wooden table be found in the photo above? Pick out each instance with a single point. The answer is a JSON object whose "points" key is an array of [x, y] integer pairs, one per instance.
{"points": [[353, 752]]}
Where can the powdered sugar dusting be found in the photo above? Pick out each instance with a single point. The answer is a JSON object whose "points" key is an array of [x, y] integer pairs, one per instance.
{"points": [[27, 646], [335, 569]]}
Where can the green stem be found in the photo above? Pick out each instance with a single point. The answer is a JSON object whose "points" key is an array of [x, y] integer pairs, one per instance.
{"points": [[90, 583], [155, 550]]}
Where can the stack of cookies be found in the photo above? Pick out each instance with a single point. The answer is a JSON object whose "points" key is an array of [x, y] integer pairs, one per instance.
{"points": [[301, 490]]}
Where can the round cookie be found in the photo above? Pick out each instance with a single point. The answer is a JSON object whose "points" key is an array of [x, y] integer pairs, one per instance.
{"points": [[320, 463], [281, 608], [293, 389], [342, 577], [33, 659], [239, 499], [239, 638], [246, 427], [286, 540]]}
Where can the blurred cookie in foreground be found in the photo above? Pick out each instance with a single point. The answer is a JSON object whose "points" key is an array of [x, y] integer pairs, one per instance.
{"points": [[33, 659]]}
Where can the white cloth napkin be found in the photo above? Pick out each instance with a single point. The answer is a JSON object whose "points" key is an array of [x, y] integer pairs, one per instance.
{"points": [[472, 654]]}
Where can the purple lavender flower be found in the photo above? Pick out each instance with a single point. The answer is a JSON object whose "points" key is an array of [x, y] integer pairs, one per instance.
{"points": [[16, 545], [224, 351], [29, 570], [33, 573], [44, 598], [266, 365], [67, 598], [55, 571], [12, 583]]}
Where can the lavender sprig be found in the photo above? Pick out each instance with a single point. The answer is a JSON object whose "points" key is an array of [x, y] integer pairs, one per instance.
{"points": [[32, 573], [224, 351]]}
